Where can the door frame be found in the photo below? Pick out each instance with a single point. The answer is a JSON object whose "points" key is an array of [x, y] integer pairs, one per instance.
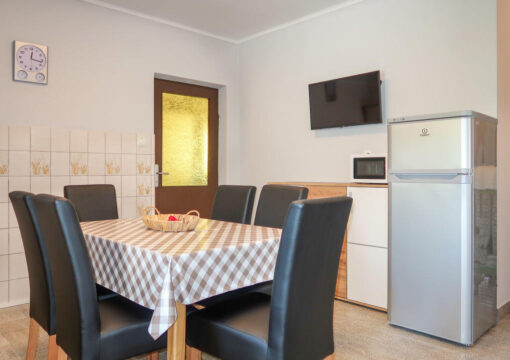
{"points": [[170, 86]]}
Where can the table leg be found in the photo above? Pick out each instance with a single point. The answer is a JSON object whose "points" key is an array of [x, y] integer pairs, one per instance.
{"points": [[176, 344]]}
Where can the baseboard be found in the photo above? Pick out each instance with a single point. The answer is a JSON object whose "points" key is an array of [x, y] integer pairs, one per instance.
{"points": [[504, 310]]}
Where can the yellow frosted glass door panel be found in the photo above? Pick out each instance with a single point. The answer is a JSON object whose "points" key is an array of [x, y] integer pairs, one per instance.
{"points": [[184, 140]]}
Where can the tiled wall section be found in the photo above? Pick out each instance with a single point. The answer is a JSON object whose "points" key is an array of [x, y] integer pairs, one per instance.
{"points": [[43, 160]]}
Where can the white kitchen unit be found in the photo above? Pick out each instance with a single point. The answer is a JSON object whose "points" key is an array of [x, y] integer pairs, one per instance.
{"points": [[367, 246]]}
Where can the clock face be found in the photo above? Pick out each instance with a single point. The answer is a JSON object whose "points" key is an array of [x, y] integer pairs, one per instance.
{"points": [[31, 58]]}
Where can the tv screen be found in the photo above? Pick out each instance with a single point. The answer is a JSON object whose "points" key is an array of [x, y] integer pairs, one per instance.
{"points": [[352, 100]]}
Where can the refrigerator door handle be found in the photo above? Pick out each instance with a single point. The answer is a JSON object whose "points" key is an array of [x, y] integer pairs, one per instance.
{"points": [[445, 178], [463, 171]]}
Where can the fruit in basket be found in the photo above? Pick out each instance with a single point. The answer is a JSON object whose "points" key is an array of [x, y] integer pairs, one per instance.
{"points": [[172, 218]]}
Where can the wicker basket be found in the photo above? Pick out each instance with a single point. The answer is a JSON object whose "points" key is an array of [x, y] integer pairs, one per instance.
{"points": [[160, 222]]}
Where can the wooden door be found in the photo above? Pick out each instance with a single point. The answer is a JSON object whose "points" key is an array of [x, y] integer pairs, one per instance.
{"points": [[186, 129]]}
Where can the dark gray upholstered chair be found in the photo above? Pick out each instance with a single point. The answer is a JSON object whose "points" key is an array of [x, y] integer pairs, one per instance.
{"points": [[296, 322], [234, 203], [115, 328], [42, 297], [92, 203], [274, 203]]}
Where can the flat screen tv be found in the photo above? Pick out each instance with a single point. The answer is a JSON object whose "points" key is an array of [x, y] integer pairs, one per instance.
{"points": [[352, 100]]}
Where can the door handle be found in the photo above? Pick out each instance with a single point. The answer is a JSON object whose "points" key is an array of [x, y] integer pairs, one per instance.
{"points": [[157, 173]]}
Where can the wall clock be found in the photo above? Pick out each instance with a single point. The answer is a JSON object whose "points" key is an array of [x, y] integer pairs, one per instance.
{"points": [[30, 62]]}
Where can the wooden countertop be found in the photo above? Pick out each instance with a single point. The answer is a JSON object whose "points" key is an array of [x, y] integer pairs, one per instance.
{"points": [[329, 184]]}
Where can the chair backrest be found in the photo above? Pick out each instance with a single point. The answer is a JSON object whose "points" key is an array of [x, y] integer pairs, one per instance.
{"points": [[78, 324], [234, 203], [42, 297], [93, 202], [301, 318], [274, 204]]}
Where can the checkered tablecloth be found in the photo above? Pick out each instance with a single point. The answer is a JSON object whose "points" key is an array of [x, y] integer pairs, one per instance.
{"points": [[157, 269]]}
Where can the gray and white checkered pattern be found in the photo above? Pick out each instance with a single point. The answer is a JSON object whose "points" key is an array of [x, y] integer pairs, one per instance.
{"points": [[156, 269]]}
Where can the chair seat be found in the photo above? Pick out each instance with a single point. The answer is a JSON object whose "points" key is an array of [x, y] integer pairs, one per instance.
{"points": [[124, 329], [104, 293], [232, 327]]}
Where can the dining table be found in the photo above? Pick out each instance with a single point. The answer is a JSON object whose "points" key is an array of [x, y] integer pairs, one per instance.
{"points": [[168, 271]]}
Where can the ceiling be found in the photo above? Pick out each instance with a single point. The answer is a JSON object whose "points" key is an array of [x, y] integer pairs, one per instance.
{"points": [[231, 20]]}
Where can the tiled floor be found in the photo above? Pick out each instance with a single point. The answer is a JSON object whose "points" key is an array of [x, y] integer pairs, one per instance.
{"points": [[359, 334]]}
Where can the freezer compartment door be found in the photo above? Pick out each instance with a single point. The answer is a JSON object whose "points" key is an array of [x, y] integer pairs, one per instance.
{"points": [[430, 259], [435, 145]]}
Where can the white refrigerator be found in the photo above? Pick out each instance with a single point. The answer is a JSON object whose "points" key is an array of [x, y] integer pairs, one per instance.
{"points": [[442, 221]]}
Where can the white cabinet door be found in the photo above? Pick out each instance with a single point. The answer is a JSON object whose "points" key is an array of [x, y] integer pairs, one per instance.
{"points": [[367, 274], [368, 222]]}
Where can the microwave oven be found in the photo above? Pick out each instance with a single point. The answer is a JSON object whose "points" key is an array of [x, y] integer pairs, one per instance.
{"points": [[369, 168]]}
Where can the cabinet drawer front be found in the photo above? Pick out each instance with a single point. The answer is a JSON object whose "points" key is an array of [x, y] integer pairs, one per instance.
{"points": [[367, 274]]}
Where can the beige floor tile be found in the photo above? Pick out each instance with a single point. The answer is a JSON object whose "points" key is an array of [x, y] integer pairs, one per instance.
{"points": [[360, 333]]}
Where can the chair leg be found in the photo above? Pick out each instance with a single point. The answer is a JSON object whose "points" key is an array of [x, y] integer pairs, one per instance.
{"points": [[152, 356], [52, 347], [330, 357], [61, 355], [33, 336], [193, 354]]}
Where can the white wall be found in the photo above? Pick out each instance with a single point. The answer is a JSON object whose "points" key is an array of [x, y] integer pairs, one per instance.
{"points": [[435, 56], [101, 70], [503, 151]]}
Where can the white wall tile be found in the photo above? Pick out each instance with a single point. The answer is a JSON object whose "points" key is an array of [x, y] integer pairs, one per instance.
{"points": [[19, 183], [59, 163], [97, 179], [115, 181], [19, 291], [59, 140], [144, 165], [40, 163], [79, 180], [128, 186], [19, 137], [96, 164], [19, 163], [4, 215], [78, 141], [144, 144], [128, 143], [4, 293], [113, 143], [141, 203], [40, 185], [17, 266], [128, 207], [15, 242], [113, 164], [4, 163], [96, 142], [4, 137], [119, 207], [4, 241], [4, 189], [13, 221], [78, 164], [144, 185], [4, 267], [128, 164], [40, 138], [58, 183]]}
